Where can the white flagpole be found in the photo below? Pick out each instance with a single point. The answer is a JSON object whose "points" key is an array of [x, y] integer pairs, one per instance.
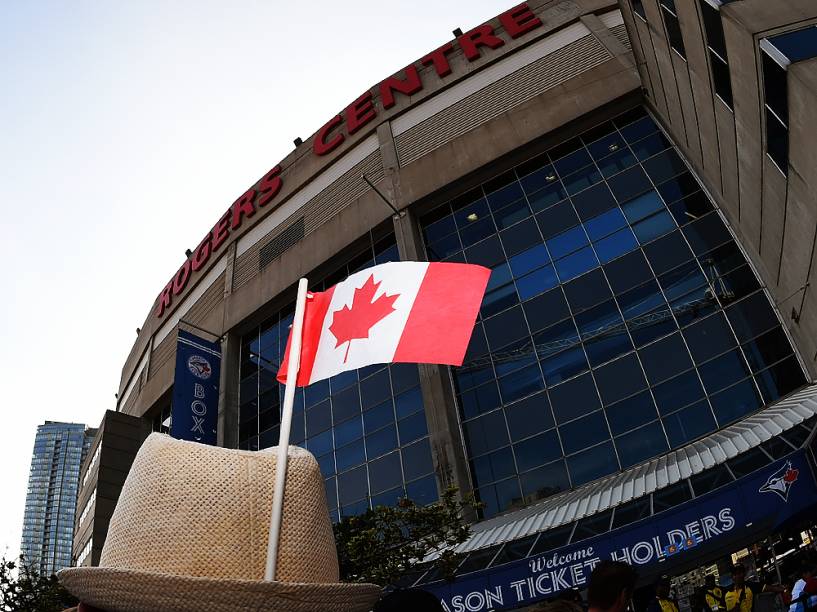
{"points": [[283, 439]]}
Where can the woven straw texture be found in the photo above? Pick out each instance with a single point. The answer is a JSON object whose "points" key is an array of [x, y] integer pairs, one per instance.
{"points": [[192, 516]]}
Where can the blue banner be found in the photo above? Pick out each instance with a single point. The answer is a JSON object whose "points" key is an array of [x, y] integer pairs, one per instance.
{"points": [[722, 521], [194, 411]]}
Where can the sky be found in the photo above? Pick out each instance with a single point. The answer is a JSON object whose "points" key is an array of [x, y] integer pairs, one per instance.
{"points": [[127, 129]]}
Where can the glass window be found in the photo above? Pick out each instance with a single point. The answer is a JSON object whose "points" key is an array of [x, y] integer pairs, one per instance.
{"points": [[384, 473], [751, 317], [668, 252], [514, 550], [631, 512], [665, 358], [584, 432], [797, 45], [417, 460], [746, 463], [591, 526], [670, 497], [734, 402], [546, 309], [678, 392], [587, 291], [592, 463], [619, 379], [631, 413], [709, 337], [528, 416], [689, 423], [638, 9], [493, 466], [718, 58], [710, 480], [537, 450], [574, 398], [594, 201], [552, 539], [723, 371], [641, 444], [486, 433], [629, 184], [668, 12], [628, 272], [780, 379]]}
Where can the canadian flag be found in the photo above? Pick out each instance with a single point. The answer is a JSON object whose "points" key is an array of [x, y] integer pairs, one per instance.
{"points": [[406, 311]]}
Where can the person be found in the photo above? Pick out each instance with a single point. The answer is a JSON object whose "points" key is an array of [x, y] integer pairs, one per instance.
{"points": [[611, 587], [802, 598], [713, 594], [408, 600], [662, 601], [741, 596]]}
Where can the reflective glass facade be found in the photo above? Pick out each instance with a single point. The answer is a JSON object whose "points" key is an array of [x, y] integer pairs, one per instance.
{"points": [[367, 428], [48, 523], [621, 318]]}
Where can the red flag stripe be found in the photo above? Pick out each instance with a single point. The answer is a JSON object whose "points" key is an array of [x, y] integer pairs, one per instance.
{"points": [[441, 321], [314, 315]]}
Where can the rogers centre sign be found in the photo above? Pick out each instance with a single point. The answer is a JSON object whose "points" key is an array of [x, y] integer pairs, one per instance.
{"points": [[516, 22]]}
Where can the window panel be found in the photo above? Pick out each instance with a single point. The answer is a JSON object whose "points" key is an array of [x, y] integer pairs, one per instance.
{"points": [[381, 442], [735, 402], [780, 379], [546, 309], [629, 184], [417, 460], [587, 291], [576, 264], [641, 444], [665, 358], [592, 464], [594, 201], [751, 317], [529, 416], [678, 392], [690, 208], [689, 423], [574, 398], [385, 473], [564, 365], [664, 166], [494, 466], [584, 432], [709, 337], [520, 237], [615, 245], [538, 450], [486, 433], [536, 282], [649, 146], [628, 272], [631, 413]]}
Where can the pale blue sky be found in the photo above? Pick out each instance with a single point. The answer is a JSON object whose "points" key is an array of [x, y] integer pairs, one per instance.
{"points": [[127, 128]]}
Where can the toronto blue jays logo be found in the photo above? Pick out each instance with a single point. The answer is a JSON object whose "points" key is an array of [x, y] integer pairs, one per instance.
{"points": [[781, 481], [199, 367]]}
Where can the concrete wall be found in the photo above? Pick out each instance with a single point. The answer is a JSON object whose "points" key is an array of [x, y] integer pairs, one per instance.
{"points": [[773, 215], [119, 437]]}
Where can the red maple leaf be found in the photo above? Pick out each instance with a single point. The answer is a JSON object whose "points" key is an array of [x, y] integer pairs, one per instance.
{"points": [[354, 323], [791, 475]]}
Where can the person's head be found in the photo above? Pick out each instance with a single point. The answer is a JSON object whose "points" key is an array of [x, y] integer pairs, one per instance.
{"points": [[739, 574], [662, 587], [709, 581], [806, 570], [611, 586], [408, 600]]}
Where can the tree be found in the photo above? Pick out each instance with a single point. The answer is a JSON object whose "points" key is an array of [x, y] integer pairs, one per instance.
{"points": [[386, 543], [28, 591]]}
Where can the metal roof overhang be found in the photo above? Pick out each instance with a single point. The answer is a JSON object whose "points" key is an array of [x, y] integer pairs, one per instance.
{"points": [[651, 476]]}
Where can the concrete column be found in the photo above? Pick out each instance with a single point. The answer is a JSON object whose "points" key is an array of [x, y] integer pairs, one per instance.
{"points": [[447, 449]]}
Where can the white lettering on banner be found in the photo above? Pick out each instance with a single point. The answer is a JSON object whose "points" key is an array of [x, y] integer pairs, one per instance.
{"points": [[198, 425], [198, 391], [556, 572]]}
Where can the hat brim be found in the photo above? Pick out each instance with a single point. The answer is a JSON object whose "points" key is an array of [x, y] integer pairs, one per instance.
{"points": [[122, 590]]}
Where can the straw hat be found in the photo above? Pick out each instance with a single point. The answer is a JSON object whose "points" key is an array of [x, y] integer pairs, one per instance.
{"points": [[190, 532]]}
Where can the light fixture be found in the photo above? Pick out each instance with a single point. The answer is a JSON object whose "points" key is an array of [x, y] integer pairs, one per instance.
{"points": [[550, 177], [613, 147], [138, 329], [188, 253], [457, 32], [472, 217], [298, 141]]}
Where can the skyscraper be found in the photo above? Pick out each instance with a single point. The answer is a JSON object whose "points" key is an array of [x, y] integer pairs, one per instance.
{"points": [[48, 524]]}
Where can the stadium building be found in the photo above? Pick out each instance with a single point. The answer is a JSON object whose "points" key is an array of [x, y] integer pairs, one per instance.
{"points": [[639, 176]]}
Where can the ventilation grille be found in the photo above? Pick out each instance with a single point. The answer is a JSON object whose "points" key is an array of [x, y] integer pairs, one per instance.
{"points": [[212, 298], [329, 202], [273, 249], [500, 96], [620, 32]]}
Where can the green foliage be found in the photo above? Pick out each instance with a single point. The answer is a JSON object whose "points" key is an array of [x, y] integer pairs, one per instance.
{"points": [[386, 543], [23, 589]]}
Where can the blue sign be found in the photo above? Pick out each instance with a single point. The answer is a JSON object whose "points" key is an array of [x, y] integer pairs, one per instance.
{"points": [[742, 512], [194, 411]]}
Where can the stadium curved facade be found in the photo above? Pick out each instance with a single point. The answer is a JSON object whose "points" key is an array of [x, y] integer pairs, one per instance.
{"points": [[641, 190]]}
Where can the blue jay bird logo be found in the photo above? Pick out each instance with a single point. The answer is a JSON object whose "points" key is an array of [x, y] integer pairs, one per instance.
{"points": [[199, 367], [781, 481]]}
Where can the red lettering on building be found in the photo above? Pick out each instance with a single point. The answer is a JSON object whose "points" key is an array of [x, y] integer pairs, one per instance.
{"points": [[411, 84], [201, 254], [181, 278], [482, 36], [359, 113], [516, 22], [269, 186], [438, 59], [243, 207], [220, 231], [164, 299], [321, 146], [519, 20]]}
